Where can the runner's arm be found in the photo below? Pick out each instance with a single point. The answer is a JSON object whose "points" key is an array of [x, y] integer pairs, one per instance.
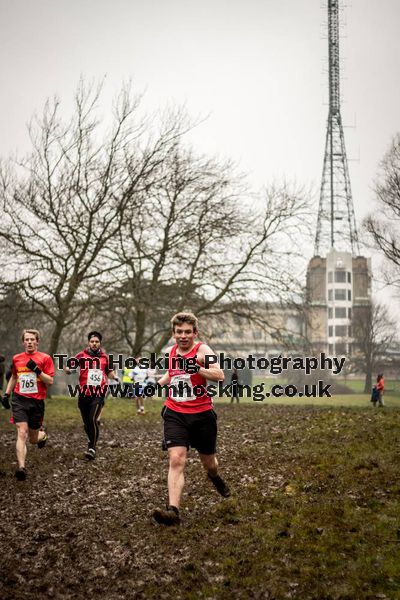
{"points": [[40, 373], [47, 379], [11, 384], [68, 370], [214, 371], [164, 380]]}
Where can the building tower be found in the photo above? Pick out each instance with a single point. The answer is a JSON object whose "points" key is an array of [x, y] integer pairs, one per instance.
{"points": [[338, 279]]}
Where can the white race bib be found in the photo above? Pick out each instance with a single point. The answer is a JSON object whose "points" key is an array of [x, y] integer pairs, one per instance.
{"points": [[95, 377], [28, 383], [181, 388]]}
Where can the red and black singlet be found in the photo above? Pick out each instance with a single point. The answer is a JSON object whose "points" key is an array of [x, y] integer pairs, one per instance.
{"points": [[180, 381]]}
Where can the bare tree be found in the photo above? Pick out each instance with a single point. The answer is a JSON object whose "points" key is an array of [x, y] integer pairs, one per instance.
{"points": [[384, 224], [373, 333], [65, 202], [201, 242], [130, 224], [16, 314]]}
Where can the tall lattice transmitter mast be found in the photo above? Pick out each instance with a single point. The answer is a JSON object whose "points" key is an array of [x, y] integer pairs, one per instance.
{"points": [[336, 225]]}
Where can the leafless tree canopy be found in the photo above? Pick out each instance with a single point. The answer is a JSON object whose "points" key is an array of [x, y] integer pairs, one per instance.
{"points": [[131, 225], [384, 224], [66, 201]]}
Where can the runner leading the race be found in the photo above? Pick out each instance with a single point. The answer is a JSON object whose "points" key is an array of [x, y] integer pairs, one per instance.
{"points": [[93, 374], [189, 419], [31, 374]]}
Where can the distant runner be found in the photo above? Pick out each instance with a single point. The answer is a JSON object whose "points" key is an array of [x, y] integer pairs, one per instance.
{"points": [[128, 383], [93, 373], [31, 374], [140, 378], [189, 420]]}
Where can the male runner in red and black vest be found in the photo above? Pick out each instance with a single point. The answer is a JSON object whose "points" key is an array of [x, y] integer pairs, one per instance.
{"points": [[31, 373], [93, 374], [189, 418]]}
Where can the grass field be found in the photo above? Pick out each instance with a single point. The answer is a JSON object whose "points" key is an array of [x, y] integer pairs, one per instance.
{"points": [[314, 512]]}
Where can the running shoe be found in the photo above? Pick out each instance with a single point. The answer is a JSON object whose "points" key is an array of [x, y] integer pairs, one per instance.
{"points": [[167, 516], [43, 441], [90, 454], [220, 485], [20, 474]]}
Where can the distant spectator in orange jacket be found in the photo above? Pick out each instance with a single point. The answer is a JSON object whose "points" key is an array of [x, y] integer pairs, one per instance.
{"points": [[380, 386]]}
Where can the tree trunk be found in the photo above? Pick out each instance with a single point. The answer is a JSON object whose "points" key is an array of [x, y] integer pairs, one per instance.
{"points": [[162, 341], [54, 341], [140, 327], [368, 381], [55, 337]]}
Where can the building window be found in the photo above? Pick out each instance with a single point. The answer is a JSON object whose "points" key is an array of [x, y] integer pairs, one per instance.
{"points": [[330, 295], [349, 295], [341, 349], [257, 335], [330, 313], [349, 313], [340, 294], [340, 312], [340, 276], [330, 278], [330, 331], [348, 277], [341, 330], [330, 349]]}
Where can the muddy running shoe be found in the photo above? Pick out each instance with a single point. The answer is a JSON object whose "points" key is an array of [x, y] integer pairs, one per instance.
{"points": [[43, 441], [167, 516], [90, 454], [20, 474], [220, 485]]}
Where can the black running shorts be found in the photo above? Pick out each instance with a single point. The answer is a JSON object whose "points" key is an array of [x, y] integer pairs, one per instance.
{"points": [[87, 404], [198, 430], [88, 400], [27, 410]]}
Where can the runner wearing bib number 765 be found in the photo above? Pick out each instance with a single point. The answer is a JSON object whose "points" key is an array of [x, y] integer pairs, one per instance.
{"points": [[93, 374], [188, 415], [31, 373]]}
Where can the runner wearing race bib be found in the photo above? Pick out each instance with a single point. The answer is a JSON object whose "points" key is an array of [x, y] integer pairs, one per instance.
{"points": [[181, 397], [188, 415], [93, 374], [31, 374]]}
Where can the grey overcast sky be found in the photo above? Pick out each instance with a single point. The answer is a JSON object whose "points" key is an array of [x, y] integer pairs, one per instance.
{"points": [[256, 67]]}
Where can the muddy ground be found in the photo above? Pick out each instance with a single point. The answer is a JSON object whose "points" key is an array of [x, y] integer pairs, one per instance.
{"points": [[314, 512]]}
